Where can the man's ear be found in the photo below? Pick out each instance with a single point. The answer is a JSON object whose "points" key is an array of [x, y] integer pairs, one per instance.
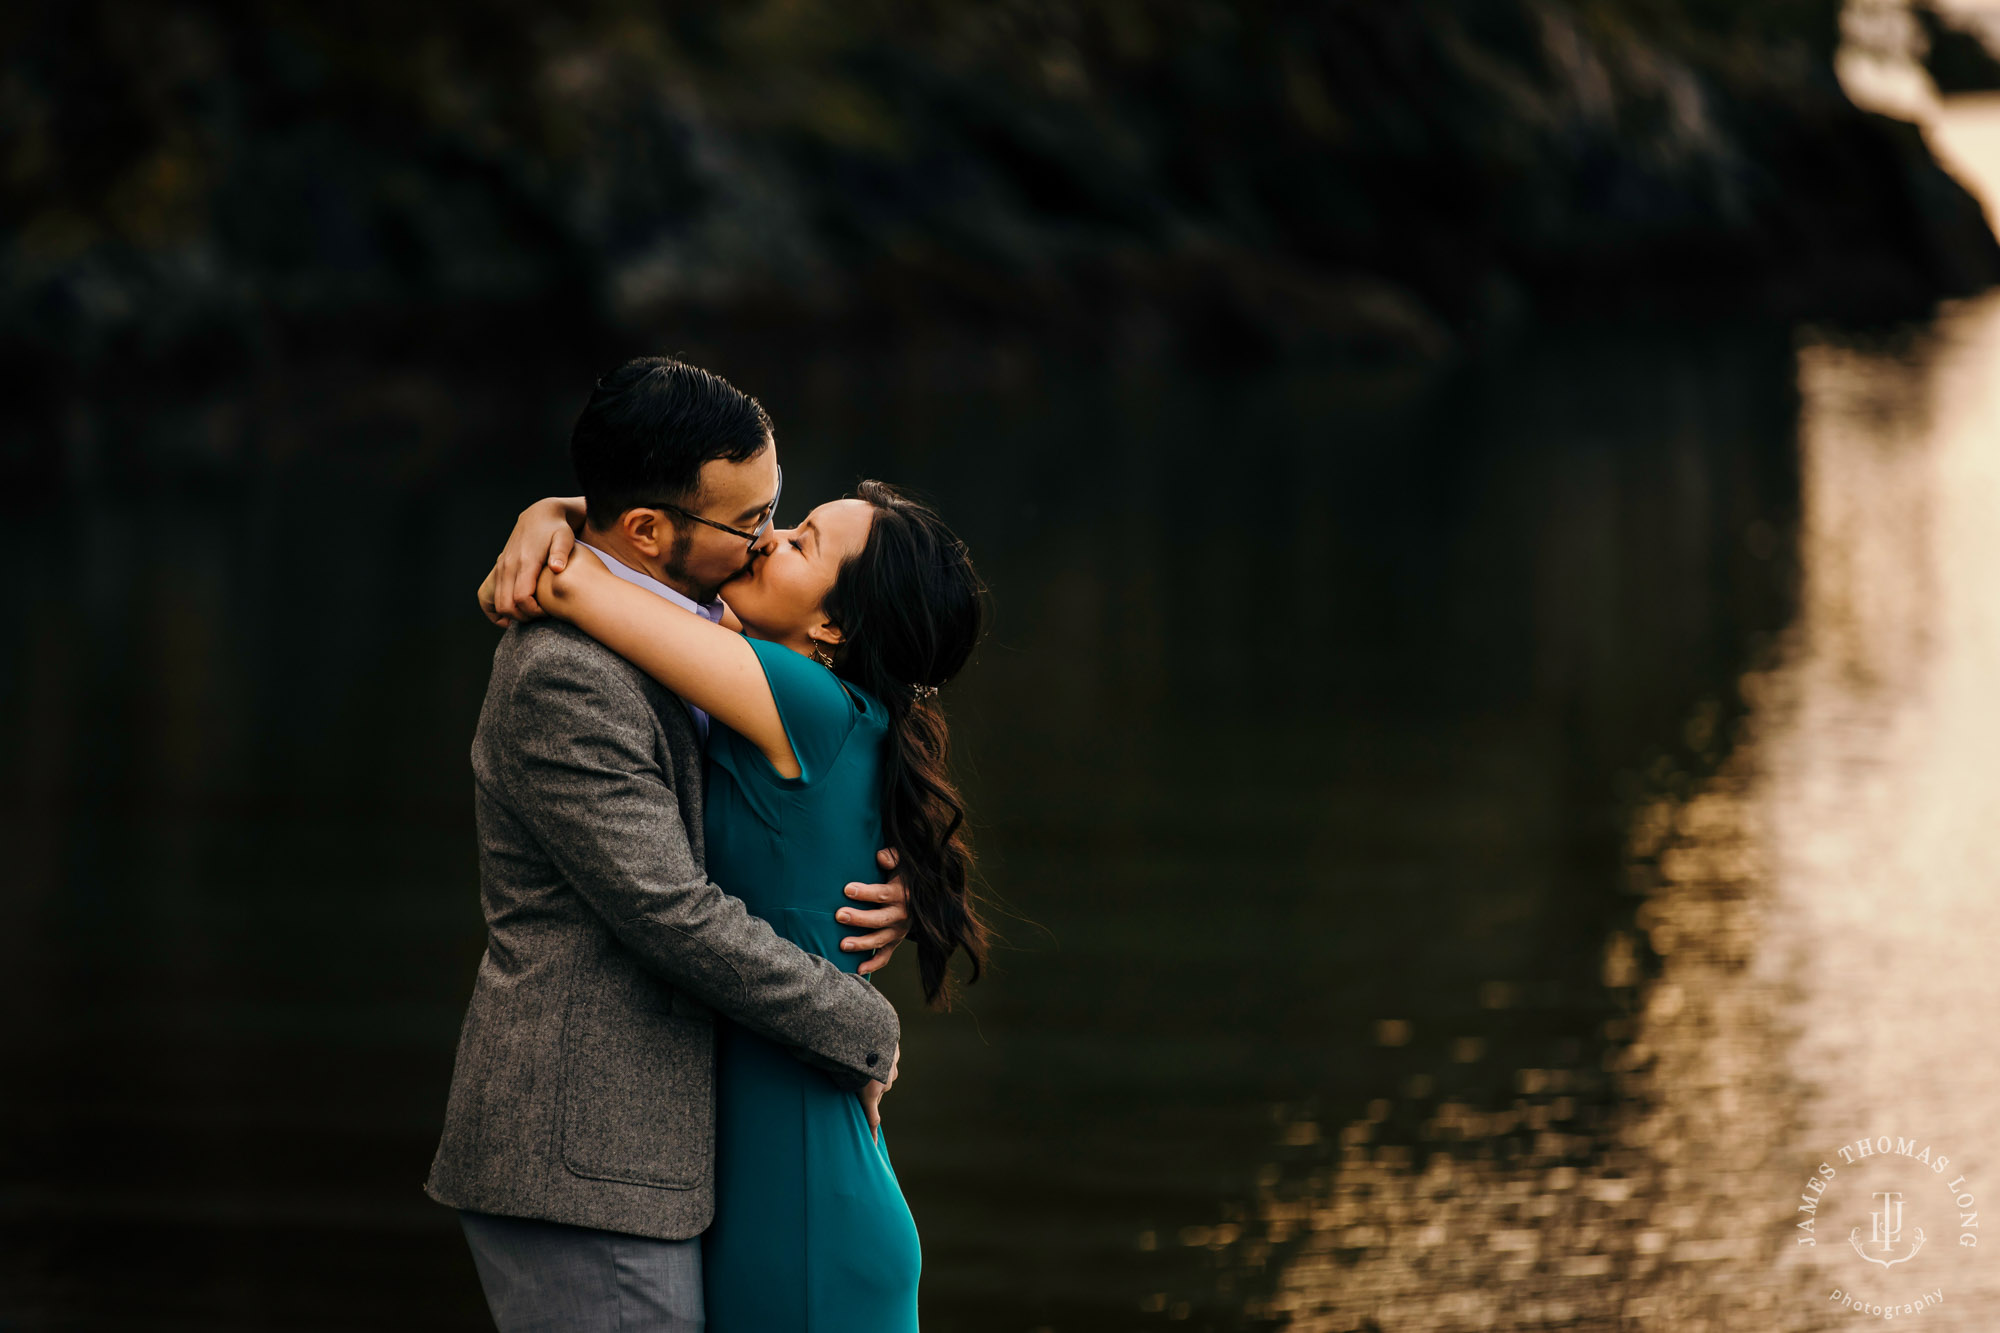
{"points": [[647, 531]]}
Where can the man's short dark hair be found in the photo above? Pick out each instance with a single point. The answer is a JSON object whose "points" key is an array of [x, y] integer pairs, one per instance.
{"points": [[648, 428]]}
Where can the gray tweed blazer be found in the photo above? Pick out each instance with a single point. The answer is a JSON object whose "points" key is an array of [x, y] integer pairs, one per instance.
{"points": [[584, 1090]]}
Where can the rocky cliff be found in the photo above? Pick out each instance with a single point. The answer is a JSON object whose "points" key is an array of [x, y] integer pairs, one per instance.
{"points": [[1369, 177]]}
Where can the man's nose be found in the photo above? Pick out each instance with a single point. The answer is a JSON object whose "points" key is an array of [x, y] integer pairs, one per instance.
{"points": [[767, 543]]}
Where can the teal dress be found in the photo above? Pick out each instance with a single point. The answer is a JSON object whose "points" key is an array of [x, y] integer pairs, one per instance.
{"points": [[811, 1233]]}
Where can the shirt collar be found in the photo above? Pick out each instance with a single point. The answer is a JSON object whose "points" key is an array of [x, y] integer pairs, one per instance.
{"points": [[711, 611]]}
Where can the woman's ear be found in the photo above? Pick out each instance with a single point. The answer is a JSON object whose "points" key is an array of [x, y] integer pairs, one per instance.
{"points": [[828, 633]]}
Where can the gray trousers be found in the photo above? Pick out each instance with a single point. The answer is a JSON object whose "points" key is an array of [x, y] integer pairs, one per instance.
{"points": [[544, 1277]]}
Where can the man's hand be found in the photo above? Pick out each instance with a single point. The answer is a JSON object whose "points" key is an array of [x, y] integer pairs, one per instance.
{"points": [[887, 924], [871, 1095], [544, 535]]}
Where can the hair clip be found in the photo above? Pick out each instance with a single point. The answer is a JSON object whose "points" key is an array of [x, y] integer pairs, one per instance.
{"points": [[924, 691]]}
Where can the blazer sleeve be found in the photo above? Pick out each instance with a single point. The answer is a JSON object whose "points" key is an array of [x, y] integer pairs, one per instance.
{"points": [[574, 755]]}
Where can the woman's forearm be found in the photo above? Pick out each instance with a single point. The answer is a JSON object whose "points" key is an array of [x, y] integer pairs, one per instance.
{"points": [[706, 665]]}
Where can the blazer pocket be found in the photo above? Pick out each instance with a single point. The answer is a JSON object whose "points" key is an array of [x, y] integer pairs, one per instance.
{"points": [[638, 1083]]}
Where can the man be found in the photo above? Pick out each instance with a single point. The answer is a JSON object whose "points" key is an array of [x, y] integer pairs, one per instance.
{"points": [[579, 1136]]}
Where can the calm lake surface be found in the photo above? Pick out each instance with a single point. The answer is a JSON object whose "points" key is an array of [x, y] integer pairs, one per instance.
{"points": [[1469, 846]]}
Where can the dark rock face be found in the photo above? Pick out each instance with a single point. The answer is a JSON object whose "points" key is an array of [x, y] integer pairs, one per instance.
{"points": [[1957, 57], [1374, 177]]}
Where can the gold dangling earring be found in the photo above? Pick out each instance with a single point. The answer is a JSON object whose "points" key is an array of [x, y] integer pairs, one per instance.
{"points": [[822, 656]]}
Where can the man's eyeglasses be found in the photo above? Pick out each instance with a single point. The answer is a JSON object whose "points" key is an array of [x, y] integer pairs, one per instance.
{"points": [[752, 537]]}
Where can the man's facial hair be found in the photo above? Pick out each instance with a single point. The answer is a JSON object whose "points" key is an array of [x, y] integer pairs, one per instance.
{"points": [[676, 564]]}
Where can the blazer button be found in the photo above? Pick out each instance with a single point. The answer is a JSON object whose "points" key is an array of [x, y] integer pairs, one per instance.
{"points": [[872, 1057]]}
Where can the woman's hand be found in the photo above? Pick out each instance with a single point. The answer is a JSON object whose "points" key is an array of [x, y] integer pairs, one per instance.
{"points": [[486, 606], [543, 537]]}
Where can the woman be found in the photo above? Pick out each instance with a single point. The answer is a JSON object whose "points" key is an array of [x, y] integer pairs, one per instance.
{"points": [[825, 743]]}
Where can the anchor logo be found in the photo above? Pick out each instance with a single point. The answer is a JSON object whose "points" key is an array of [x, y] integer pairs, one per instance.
{"points": [[1888, 1229]]}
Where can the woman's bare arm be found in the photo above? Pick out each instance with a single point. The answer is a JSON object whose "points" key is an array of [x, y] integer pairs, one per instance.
{"points": [[712, 668]]}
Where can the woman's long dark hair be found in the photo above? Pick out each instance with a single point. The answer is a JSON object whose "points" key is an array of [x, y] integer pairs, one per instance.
{"points": [[909, 608]]}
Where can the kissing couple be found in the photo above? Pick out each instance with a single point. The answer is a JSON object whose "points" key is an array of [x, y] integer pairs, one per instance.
{"points": [[704, 737]]}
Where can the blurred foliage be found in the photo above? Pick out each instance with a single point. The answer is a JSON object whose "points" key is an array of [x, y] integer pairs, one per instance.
{"points": [[1955, 54], [1374, 176]]}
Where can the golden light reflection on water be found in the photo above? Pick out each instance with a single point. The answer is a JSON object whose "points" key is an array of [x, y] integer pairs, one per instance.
{"points": [[1659, 1217], [1813, 959]]}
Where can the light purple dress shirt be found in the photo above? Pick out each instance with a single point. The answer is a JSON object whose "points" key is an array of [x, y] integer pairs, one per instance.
{"points": [[709, 611]]}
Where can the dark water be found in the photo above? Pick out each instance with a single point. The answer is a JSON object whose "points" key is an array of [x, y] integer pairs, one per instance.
{"points": [[1306, 756]]}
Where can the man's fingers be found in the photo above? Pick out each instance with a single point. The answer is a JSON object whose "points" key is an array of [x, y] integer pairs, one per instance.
{"points": [[878, 961], [876, 893], [559, 548], [874, 919], [887, 925], [871, 1105], [887, 858], [876, 940]]}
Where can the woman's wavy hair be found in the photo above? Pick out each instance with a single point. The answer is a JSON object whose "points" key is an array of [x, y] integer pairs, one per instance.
{"points": [[910, 608]]}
